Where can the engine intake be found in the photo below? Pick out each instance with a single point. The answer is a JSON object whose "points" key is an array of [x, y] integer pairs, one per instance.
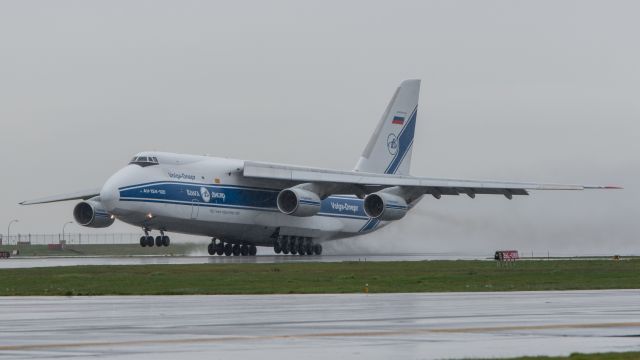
{"points": [[298, 202], [385, 206], [91, 214]]}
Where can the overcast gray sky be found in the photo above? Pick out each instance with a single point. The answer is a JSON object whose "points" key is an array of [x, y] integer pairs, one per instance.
{"points": [[514, 90]]}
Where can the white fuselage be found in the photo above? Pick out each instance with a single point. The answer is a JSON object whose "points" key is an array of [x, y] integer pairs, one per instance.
{"points": [[202, 195]]}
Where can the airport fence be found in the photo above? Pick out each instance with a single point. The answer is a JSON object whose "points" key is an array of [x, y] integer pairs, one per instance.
{"points": [[71, 239]]}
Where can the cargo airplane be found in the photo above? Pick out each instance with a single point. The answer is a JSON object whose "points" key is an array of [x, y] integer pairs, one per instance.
{"points": [[292, 209]]}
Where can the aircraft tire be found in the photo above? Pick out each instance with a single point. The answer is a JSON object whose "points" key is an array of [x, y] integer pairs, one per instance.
{"points": [[293, 246], [301, 248], [149, 241], [219, 248], [277, 248], [253, 250], [235, 250], [166, 241], [317, 249], [228, 249], [158, 241], [143, 241], [309, 248], [244, 250], [210, 249]]}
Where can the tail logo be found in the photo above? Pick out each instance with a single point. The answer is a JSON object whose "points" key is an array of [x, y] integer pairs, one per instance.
{"points": [[392, 144]]}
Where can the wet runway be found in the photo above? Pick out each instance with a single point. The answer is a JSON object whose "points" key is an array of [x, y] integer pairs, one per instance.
{"points": [[381, 326], [40, 261]]}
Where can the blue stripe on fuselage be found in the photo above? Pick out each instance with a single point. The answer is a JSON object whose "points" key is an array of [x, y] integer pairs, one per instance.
{"points": [[234, 197], [370, 225]]}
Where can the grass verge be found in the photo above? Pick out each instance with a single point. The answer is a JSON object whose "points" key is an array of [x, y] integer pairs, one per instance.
{"points": [[577, 356], [306, 278]]}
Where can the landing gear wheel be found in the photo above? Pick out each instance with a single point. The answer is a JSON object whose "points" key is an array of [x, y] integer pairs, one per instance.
{"points": [[236, 250], [149, 241], [244, 250], [309, 248], [293, 246], [158, 241], [166, 241], [219, 248], [253, 250], [143, 241], [277, 248], [302, 249], [210, 249], [317, 249], [228, 249]]}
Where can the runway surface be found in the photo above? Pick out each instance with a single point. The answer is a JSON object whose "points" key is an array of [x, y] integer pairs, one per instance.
{"points": [[40, 261], [381, 326]]}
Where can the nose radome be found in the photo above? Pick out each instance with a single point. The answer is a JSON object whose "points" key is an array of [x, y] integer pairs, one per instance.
{"points": [[109, 194]]}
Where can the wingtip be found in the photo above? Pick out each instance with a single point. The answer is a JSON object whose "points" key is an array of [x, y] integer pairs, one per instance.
{"points": [[605, 187]]}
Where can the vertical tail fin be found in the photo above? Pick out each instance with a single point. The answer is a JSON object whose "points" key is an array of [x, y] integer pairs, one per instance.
{"points": [[389, 149]]}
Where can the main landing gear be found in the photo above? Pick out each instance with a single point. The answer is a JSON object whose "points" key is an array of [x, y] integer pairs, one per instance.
{"points": [[148, 240], [296, 245], [218, 247]]}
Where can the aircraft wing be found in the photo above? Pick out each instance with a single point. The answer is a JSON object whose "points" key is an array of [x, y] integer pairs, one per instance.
{"points": [[84, 195], [368, 182]]}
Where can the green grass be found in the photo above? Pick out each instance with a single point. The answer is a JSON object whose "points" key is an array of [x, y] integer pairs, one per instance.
{"points": [[345, 277], [576, 356], [102, 250]]}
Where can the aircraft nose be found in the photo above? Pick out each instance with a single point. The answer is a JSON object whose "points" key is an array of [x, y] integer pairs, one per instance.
{"points": [[110, 193]]}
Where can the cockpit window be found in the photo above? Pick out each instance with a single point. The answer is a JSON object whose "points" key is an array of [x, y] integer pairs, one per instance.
{"points": [[144, 161]]}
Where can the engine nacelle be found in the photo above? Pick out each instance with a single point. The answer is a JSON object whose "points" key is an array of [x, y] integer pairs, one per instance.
{"points": [[385, 206], [298, 202], [92, 214]]}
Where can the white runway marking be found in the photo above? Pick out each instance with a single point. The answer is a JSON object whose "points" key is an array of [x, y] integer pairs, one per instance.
{"points": [[381, 326]]}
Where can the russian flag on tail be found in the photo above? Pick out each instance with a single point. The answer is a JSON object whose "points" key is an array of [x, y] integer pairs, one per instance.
{"points": [[398, 120]]}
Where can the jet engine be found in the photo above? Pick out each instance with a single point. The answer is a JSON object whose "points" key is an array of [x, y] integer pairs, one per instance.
{"points": [[91, 213], [298, 202], [385, 206]]}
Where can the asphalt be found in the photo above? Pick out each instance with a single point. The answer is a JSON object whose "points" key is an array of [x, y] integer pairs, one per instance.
{"points": [[42, 261], [367, 326]]}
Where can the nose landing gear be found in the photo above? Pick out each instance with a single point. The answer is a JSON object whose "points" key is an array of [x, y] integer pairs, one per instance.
{"points": [[148, 240]]}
